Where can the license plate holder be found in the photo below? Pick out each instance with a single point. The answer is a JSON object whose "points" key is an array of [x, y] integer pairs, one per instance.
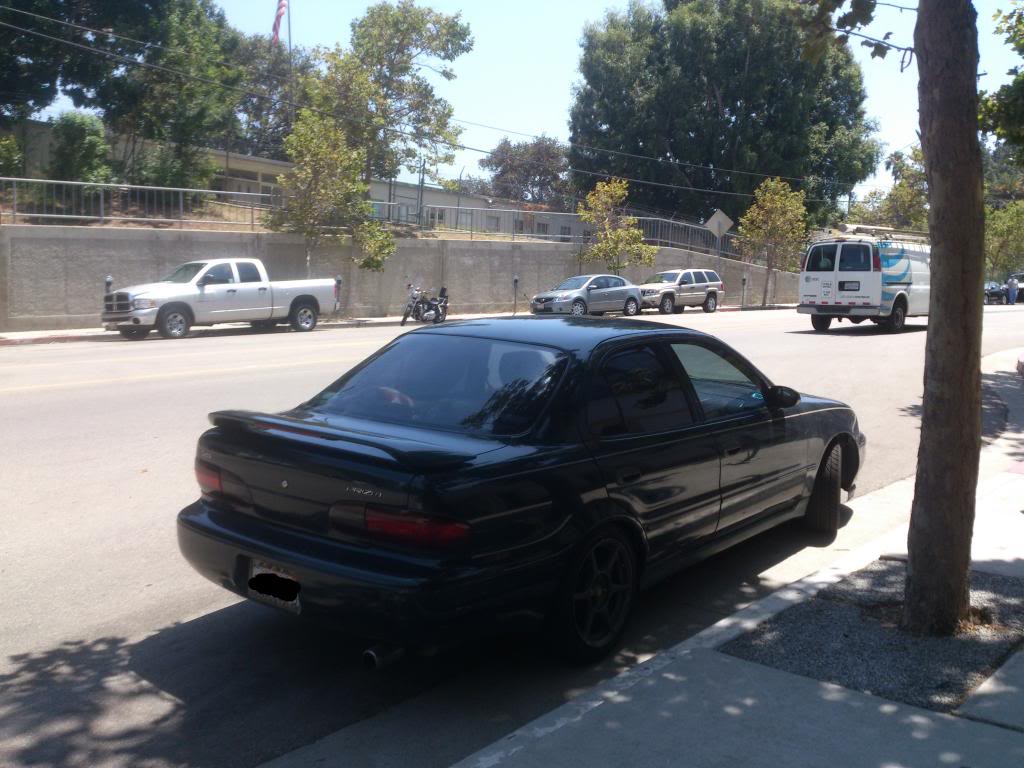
{"points": [[274, 585]]}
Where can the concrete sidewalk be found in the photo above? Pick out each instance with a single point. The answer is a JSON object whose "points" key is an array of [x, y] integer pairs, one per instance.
{"points": [[17, 338], [695, 706]]}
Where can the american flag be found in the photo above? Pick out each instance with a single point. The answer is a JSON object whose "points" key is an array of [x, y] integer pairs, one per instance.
{"points": [[282, 9]]}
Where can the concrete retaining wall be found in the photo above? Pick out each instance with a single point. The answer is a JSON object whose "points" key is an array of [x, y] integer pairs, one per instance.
{"points": [[52, 277]]}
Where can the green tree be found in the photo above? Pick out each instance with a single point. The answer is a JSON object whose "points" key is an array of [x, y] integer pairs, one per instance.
{"points": [[711, 87], [529, 171], [873, 210], [181, 115], [907, 201], [774, 227], [618, 241], [1002, 112], [1004, 240], [395, 45], [324, 195], [1004, 176], [80, 149], [937, 595], [12, 160]]}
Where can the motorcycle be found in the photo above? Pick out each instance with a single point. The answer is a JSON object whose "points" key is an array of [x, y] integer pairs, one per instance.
{"points": [[425, 309]]}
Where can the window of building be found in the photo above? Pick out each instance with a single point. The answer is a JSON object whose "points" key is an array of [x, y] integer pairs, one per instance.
{"points": [[542, 227]]}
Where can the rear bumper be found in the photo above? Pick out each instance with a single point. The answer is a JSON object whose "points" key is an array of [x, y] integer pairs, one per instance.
{"points": [[839, 310], [409, 603]]}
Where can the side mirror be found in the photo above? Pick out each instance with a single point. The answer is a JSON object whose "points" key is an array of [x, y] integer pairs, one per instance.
{"points": [[590, 287], [781, 397], [202, 282]]}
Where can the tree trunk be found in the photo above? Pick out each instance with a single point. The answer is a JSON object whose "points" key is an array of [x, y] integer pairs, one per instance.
{"points": [[769, 261], [942, 517]]}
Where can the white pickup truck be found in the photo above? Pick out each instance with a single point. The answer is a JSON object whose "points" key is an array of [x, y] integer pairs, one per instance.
{"points": [[216, 291]]}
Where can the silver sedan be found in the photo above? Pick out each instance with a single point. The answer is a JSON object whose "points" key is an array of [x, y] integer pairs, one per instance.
{"points": [[588, 294]]}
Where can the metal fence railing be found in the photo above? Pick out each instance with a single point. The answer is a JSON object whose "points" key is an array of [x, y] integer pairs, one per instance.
{"points": [[41, 201]]}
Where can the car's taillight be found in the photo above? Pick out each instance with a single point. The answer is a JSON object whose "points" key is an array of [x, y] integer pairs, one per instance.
{"points": [[416, 530], [876, 260], [208, 478]]}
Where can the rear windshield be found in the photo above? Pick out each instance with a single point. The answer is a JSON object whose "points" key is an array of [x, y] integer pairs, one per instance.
{"points": [[822, 258], [456, 383], [855, 258]]}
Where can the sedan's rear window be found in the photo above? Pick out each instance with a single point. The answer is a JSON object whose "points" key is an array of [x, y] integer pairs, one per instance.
{"points": [[456, 383]]}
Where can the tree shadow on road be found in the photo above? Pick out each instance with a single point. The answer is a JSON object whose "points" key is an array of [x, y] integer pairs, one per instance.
{"points": [[244, 684], [994, 410]]}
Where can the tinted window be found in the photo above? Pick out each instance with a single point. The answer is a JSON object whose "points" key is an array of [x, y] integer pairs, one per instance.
{"points": [[616, 282], [700, 277], [855, 258], [601, 282], [686, 279], [220, 273], [822, 258], [713, 277], [247, 272], [479, 386], [722, 387], [636, 393]]}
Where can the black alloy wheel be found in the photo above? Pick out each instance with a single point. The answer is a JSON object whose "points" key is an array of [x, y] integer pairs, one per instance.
{"points": [[596, 597]]}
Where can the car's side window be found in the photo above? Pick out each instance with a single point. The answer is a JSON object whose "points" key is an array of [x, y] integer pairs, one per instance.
{"points": [[700, 277], [634, 392], [722, 387], [616, 282], [219, 274], [247, 272], [686, 279], [599, 283]]}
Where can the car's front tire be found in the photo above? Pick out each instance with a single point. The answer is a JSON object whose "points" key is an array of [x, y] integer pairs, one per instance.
{"points": [[823, 509], [631, 308], [667, 305], [595, 598], [578, 308], [173, 323]]}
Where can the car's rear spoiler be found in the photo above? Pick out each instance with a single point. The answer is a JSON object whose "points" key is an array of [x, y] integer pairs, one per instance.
{"points": [[409, 454]]}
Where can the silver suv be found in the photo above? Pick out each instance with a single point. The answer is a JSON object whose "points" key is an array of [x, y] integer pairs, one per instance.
{"points": [[673, 289], [589, 294]]}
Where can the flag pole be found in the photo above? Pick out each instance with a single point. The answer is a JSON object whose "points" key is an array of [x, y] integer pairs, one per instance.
{"points": [[291, 66]]}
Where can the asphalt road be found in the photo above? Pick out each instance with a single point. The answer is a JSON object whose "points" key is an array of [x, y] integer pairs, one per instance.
{"points": [[113, 652]]}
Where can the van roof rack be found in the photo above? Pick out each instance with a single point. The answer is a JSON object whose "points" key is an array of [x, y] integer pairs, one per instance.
{"points": [[885, 232]]}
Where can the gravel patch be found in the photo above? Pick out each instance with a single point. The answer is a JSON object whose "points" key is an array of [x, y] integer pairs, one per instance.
{"points": [[849, 635]]}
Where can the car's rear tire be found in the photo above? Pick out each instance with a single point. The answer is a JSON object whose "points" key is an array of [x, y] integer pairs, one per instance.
{"points": [[667, 305], [821, 322], [710, 303], [631, 308], [1004, 300], [823, 509], [173, 323], [595, 598], [898, 318], [134, 334], [578, 308], [303, 317]]}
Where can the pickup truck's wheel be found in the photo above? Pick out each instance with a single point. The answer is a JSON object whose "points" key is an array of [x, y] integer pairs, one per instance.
{"points": [[823, 509], [579, 308], [173, 323], [667, 305], [303, 317], [595, 597], [134, 334], [710, 303]]}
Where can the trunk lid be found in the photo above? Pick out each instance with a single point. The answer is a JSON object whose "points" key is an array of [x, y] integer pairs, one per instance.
{"points": [[317, 474]]}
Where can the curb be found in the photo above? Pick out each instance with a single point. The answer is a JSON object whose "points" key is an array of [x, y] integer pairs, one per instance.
{"points": [[61, 338]]}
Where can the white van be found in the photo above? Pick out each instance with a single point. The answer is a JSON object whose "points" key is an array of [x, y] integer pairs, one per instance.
{"points": [[865, 278]]}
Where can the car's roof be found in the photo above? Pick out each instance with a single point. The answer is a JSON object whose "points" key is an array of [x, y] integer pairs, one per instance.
{"points": [[580, 334]]}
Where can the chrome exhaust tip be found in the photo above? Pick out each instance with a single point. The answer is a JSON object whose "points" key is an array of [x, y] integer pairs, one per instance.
{"points": [[381, 656]]}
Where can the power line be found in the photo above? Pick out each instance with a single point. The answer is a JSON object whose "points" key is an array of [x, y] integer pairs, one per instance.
{"points": [[454, 145], [619, 153]]}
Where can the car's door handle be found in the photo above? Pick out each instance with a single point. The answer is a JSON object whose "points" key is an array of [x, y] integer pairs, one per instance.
{"points": [[232, 290], [732, 450], [263, 289], [628, 475]]}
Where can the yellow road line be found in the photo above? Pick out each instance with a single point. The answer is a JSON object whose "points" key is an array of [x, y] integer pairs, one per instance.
{"points": [[197, 374]]}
